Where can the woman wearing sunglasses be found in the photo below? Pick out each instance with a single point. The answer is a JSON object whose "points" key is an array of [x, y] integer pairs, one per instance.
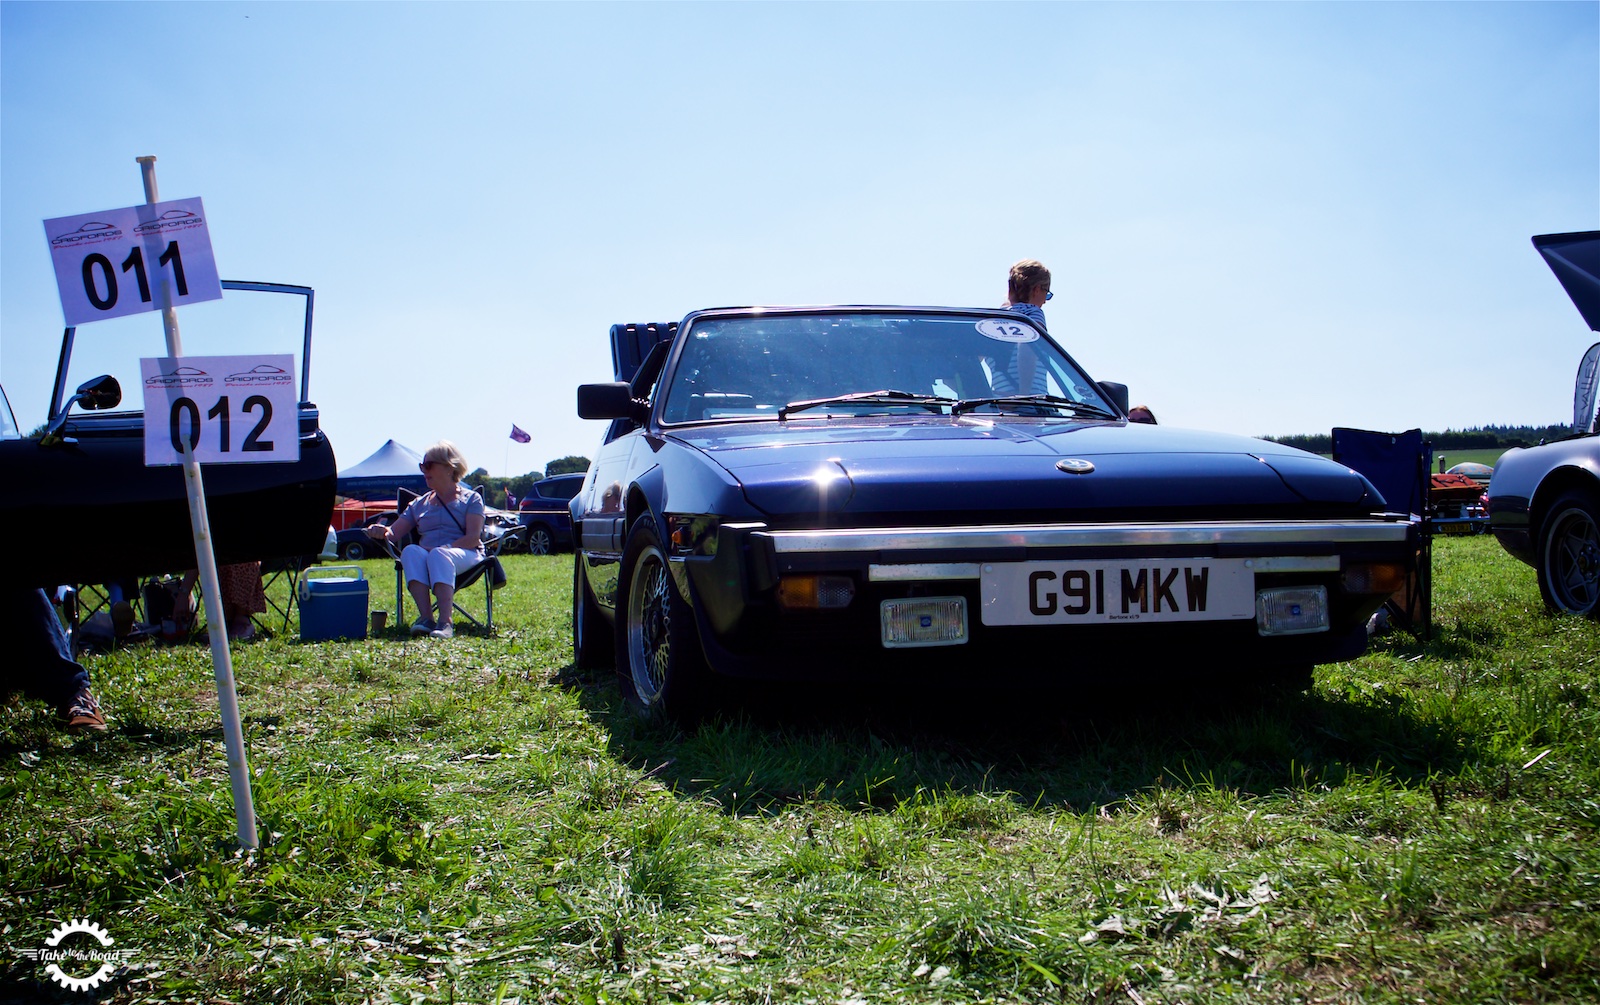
{"points": [[448, 519]]}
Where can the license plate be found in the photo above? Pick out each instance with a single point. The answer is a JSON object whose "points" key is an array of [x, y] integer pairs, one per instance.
{"points": [[1033, 593]]}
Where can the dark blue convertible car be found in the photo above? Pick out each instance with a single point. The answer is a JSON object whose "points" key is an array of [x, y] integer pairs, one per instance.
{"points": [[892, 493]]}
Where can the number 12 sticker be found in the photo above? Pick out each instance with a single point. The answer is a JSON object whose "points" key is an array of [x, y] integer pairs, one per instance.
{"points": [[227, 409]]}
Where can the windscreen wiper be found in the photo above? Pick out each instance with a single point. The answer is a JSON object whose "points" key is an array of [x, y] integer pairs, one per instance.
{"points": [[882, 397], [1044, 400]]}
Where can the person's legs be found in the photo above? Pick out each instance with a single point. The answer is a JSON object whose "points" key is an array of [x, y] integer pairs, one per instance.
{"points": [[414, 566], [443, 564], [42, 666]]}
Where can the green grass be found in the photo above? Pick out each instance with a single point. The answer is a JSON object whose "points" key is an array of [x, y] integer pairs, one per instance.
{"points": [[473, 821]]}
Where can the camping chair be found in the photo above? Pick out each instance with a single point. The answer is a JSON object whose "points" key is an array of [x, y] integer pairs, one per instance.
{"points": [[488, 570], [287, 570], [1397, 465]]}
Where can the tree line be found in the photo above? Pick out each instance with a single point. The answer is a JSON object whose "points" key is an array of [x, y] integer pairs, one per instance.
{"points": [[1476, 438]]}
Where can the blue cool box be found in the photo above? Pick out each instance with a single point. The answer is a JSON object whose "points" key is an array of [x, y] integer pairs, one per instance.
{"points": [[333, 606]]}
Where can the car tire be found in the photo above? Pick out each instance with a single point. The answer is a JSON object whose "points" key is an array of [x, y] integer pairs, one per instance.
{"points": [[539, 540], [353, 551], [593, 647], [1569, 554], [659, 660]]}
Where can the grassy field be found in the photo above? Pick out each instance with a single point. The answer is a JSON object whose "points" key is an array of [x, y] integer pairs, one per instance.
{"points": [[471, 821]]}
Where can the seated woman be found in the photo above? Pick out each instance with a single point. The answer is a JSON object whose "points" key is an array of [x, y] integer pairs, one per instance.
{"points": [[449, 523]]}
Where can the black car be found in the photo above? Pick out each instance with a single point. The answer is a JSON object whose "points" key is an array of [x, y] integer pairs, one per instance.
{"points": [[1544, 501], [88, 470], [354, 544], [544, 511], [844, 493]]}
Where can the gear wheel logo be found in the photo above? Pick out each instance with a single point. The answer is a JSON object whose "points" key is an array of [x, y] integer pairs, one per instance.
{"points": [[86, 927]]}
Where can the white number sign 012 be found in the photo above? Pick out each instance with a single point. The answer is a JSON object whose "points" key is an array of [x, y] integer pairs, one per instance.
{"points": [[229, 409], [124, 261]]}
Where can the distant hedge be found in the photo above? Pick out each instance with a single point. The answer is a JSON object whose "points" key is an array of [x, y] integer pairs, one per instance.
{"points": [[1477, 438]]}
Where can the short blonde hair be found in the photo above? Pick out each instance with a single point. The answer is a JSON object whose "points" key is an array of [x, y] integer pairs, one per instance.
{"points": [[445, 452]]}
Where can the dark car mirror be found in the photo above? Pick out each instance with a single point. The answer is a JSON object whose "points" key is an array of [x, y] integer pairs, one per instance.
{"points": [[612, 400], [1118, 393], [101, 392]]}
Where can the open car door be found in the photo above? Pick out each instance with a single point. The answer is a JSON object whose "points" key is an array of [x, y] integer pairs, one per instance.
{"points": [[84, 508]]}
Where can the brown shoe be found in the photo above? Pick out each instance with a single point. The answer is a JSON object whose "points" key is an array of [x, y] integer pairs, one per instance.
{"points": [[82, 714]]}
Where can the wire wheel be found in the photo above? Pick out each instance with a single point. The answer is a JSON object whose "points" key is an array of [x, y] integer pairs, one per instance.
{"points": [[650, 626], [662, 667]]}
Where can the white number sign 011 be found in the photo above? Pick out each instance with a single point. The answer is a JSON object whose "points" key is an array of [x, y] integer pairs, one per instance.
{"points": [[124, 261], [229, 409]]}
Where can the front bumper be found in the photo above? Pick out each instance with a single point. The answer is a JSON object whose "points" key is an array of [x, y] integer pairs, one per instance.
{"points": [[745, 631]]}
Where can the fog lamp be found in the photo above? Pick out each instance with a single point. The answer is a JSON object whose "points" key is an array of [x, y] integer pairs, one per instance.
{"points": [[1375, 577], [816, 593], [923, 621], [1292, 610]]}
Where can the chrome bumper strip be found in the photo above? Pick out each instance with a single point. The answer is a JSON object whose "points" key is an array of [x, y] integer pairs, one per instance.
{"points": [[1124, 535]]}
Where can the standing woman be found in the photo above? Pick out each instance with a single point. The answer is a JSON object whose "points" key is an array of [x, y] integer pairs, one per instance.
{"points": [[449, 523]]}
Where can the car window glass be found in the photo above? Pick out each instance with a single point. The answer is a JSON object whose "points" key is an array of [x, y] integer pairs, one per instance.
{"points": [[733, 368], [8, 423], [242, 323]]}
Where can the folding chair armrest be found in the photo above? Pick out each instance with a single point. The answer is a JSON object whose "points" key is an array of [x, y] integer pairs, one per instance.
{"points": [[493, 548]]}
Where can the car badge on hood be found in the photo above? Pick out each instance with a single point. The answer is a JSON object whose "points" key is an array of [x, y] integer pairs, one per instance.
{"points": [[1075, 466]]}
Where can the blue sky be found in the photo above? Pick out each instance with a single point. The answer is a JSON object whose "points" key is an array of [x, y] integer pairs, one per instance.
{"points": [[1264, 218]]}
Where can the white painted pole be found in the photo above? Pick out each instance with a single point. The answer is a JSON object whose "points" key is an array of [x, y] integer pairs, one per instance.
{"points": [[244, 809]]}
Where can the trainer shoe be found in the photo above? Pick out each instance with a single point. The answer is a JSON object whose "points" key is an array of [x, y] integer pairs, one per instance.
{"points": [[82, 713], [444, 631], [421, 626]]}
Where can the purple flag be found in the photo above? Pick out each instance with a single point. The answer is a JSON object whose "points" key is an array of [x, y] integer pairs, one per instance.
{"points": [[518, 435]]}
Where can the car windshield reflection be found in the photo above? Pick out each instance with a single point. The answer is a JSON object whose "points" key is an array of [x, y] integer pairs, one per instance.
{"points": [[775, 366]]}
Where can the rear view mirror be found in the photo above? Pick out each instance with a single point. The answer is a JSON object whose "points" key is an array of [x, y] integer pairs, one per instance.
{"points": [[612, 400], [101, 392], [1118, 393]]}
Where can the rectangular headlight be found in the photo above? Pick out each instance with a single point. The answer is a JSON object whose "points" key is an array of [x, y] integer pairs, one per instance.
{"points": [[1292, 610], [923, 621]]}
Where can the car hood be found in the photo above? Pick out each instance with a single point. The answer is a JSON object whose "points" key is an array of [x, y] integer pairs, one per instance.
{"points": [[975, 464]]}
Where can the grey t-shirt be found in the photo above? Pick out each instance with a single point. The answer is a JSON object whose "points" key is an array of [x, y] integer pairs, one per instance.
{"points": [[439, 523]]}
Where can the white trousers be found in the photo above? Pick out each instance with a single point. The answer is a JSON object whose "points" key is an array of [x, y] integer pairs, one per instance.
{"points": [[437, 566]]}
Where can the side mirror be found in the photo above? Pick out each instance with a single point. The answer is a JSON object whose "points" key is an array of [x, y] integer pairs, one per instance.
{"points": [[101, 392], [612, 400], [1118, 393]]}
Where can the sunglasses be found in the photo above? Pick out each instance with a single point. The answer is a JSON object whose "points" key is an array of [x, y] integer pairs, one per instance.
{"points": [[1048, 294], [425, 465]]}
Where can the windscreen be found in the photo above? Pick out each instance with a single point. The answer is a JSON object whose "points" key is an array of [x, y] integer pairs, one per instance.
{"points": [[242, 323], [758, 367]]}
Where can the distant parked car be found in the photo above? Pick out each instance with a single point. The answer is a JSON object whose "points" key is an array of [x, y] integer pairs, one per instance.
{"points": [[1544, 501], [354, 544], [545, 512]]}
